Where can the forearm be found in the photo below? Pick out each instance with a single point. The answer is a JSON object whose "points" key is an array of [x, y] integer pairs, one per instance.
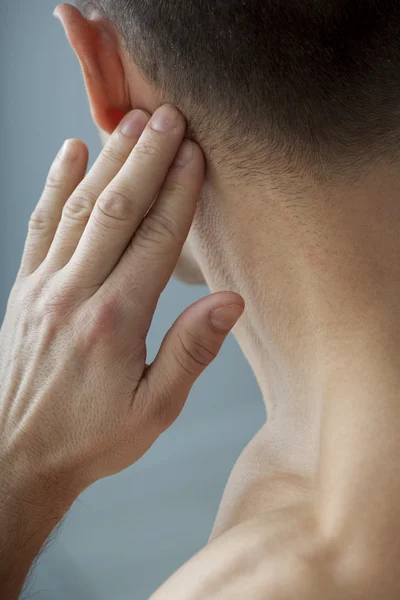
{"points": [[28, 515]]}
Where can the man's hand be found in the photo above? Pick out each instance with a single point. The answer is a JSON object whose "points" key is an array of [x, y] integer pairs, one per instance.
{"points": [[78, 401]]}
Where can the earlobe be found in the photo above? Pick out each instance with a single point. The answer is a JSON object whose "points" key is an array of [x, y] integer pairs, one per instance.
{"points": [[101, 65]]}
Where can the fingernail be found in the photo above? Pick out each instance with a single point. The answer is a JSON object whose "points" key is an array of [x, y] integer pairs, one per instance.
{"points": [[134, 123], [68, 150], [225, 318], [185, 154], [165, 118]]}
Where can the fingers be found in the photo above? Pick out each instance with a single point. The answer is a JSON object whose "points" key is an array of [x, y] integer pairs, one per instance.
{"points": [[149, 261], [189, 347], [66, 172], [122, 206], [80, 205]]}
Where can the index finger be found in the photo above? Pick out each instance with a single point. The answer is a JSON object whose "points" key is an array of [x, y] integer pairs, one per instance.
{"points": [[150, 259]]}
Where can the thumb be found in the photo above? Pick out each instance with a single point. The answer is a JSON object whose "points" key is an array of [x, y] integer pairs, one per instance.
{"points": [[189, 347]]}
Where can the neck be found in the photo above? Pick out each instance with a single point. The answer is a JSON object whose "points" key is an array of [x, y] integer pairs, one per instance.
{"points": [[320, 272]]}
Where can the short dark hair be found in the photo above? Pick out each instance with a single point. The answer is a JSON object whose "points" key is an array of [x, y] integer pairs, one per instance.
{"points": [[310, 83]]}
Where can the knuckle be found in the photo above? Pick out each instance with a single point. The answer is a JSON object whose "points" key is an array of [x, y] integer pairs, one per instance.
{"points": [[176, 188], [157, 228], [195, 352], [78, 208], [54, 304], [54, 182], [40, 220], [112, 154], [100, 323], [43, 310], [114, 206], [145, 151], [41, 301]]}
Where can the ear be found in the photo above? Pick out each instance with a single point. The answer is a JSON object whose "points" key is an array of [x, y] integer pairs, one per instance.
{"points": [[97, 50]]}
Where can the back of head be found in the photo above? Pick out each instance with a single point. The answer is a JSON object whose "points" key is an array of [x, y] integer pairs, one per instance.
{"points": [[310, 85]]}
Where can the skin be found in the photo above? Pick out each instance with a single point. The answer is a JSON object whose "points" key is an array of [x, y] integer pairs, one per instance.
{"points": [[311, 508]]}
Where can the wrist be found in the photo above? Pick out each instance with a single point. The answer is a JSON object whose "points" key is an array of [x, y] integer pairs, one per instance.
{"points": [[31, 489], [31, 506]]}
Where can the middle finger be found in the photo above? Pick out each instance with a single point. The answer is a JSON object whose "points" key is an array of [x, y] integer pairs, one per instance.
{"points": [[122, 206]]}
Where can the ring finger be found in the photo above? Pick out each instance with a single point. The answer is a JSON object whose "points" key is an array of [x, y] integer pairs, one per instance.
{"points": [[78, 208]]}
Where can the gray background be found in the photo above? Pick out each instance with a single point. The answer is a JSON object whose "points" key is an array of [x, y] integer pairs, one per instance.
{"points": [[125, 535]]}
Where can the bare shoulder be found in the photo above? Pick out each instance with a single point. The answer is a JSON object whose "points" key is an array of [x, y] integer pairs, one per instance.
{"points": [[276, 556]]}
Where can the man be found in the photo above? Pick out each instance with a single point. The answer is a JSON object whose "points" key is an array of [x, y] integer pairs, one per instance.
{"points": [[296, 108]]}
